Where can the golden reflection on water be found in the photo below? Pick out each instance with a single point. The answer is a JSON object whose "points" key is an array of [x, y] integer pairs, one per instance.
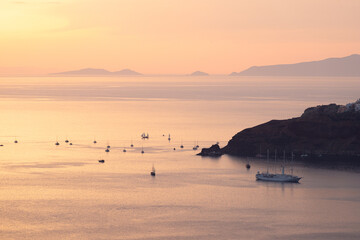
{"points": [[63, 192]]}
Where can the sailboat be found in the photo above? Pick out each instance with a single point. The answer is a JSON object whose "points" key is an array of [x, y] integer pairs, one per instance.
{"points": [[274, 177], [142, 149], [152, 173], [196, 146], [169, 138]]}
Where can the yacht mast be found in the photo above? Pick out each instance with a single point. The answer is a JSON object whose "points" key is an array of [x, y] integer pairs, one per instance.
{"points": [[283, 167], [267, 169], [275, 160]]}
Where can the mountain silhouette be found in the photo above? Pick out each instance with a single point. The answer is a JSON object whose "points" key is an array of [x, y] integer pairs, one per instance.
{"points": [[199, 73], [99, 72], [346, 66]]}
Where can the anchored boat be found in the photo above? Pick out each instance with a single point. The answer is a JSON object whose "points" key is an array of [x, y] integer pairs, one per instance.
{"points": [[274, 177]]}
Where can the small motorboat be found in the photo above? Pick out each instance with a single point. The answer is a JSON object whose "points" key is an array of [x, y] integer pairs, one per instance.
{"points": [[66, 141], [94, 141], [101, 161], [70, 143], [248, 166], [15, 141], [174, 149], [107, 150], [145, 136], [182, 146], [108, 146], [124, 150], [57, 143]]}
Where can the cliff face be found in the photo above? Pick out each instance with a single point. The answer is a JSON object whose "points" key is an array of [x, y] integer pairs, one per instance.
{"points": [[330, 130]]}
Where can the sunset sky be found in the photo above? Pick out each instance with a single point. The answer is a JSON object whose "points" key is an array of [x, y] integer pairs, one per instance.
{"points": [[172, 36]]}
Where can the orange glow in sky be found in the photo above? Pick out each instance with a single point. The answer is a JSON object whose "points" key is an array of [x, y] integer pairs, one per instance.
{"points": [[172, 36]]}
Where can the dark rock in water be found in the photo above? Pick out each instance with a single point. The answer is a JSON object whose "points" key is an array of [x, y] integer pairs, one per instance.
{"points": [[213, 151], [328, 131]]}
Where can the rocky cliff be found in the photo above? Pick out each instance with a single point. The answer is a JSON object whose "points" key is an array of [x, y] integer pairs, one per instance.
{"points": [[329, 130]]}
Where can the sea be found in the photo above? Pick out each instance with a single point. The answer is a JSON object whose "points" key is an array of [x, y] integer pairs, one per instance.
{"points": [[50, 191]]}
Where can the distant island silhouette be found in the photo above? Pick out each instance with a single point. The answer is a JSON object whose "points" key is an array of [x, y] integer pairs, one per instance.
{"points": [[199, 73], [346, 66], [98, 72]]}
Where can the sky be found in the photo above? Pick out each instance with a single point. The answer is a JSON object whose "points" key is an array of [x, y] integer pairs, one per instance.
{"points": [[172, 36]]}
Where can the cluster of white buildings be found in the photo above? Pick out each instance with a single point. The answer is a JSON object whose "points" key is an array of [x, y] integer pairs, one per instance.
{"points": [[353, 106]]}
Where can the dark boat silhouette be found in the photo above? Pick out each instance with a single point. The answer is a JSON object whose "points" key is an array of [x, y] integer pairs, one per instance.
{"points": [[152, 173]]}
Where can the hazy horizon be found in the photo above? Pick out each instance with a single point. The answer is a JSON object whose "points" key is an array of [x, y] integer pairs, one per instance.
{"points": [[177, 37], [106, 71]]}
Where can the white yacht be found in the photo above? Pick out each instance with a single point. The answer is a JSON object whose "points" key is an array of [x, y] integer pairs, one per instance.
{"points": [[270, 177], [274, 177]]}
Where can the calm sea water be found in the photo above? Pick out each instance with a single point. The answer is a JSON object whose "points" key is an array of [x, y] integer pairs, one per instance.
{"points": [[62, 192]]}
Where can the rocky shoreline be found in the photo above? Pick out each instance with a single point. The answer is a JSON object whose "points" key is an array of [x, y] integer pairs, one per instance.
{"points": [[330, 132]]}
